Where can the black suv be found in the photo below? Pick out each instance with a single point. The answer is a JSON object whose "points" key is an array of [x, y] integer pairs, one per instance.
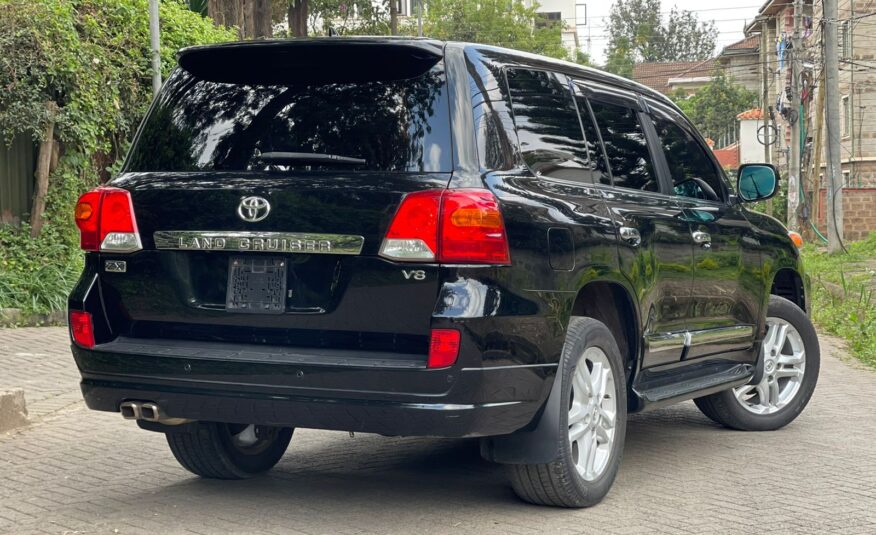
{"points": [[412, 237]]}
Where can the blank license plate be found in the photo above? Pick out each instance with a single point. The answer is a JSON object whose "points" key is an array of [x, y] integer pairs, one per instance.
{"points": [[256, 284]]}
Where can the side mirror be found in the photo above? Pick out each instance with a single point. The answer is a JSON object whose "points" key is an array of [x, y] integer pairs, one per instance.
{"points": [[757, 181]]}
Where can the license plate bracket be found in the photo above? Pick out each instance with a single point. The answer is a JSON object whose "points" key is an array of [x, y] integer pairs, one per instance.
{"points": [[256, 285]]}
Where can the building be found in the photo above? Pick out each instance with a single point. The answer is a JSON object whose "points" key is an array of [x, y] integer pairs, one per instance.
{"points": [[751, 150], [564, 12], [669, 77], [741, 61], [857, 79]]}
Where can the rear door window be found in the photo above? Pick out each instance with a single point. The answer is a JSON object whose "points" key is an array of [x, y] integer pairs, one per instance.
{"points": [[551, 141], [202, 124], [625, 146]]}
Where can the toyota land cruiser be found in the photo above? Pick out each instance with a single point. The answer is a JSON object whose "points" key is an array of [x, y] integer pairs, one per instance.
{"points": [[412, 237]]}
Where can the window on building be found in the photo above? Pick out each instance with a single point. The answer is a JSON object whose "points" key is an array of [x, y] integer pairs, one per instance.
{"points": [[549, 18], [845, 40], [847, 179], [551, 141], [846, 126], [625, 146]]}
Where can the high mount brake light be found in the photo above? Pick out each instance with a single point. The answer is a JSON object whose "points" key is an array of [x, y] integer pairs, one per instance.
{"points": [[462, 226], [105, 217]]}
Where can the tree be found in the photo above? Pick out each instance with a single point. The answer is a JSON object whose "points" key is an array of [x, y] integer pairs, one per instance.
{"points": [[713, 108], [251, 17], [637, 33], [493, 22]]}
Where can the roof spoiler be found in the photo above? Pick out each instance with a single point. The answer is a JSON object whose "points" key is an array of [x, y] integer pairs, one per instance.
{"points": [[312, 61]]}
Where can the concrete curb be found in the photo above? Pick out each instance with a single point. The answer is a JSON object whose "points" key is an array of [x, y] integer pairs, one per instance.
{"points": [[13, 317], [13, 409]]}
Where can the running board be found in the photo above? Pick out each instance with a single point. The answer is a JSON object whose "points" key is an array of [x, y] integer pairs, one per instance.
{"points": [[660, 388]]}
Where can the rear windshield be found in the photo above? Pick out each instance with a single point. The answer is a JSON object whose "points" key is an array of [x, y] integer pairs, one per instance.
{"points": [[203, 125]]}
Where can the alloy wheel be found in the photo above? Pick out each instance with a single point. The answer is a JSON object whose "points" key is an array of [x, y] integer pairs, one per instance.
{"points": [[592, 414], [784, 365], [251, 439]]}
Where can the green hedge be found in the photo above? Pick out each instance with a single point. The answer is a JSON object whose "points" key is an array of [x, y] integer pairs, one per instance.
{"points": [[90, 57]]}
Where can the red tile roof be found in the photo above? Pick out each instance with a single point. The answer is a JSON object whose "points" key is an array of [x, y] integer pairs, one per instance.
{"points": [[657, 75], [728, 157], [754, 113], [749, 43]]}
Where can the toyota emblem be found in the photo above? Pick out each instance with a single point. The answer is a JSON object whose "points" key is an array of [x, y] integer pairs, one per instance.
{"points": [[253, 209]]}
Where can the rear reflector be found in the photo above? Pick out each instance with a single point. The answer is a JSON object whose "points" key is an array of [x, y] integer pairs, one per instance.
{"points": [[105, 217], [82, 329], [462, 226], [443, 348]]}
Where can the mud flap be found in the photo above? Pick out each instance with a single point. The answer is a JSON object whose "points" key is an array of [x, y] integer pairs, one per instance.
{"points": [[535, 446]]}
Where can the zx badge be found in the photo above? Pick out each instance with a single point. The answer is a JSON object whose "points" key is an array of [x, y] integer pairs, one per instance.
{"points": [[416, 274]]}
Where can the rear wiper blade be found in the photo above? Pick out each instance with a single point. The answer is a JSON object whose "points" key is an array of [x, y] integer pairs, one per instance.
{"points": [[308, 158]]}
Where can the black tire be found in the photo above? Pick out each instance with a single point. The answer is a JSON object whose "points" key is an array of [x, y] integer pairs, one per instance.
{"points": [[559, 483], [208, 449], [725, 409]]}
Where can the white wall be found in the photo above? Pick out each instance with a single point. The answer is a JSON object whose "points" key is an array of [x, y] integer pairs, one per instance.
{"points": [[750, 150], [568, 11]]}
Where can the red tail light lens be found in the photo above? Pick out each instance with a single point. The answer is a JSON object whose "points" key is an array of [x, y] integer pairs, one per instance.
{"points": [[443, 348], [472, 229], [463, 226], [413, 233], [105, 217], [82, 328], [87, 218]]}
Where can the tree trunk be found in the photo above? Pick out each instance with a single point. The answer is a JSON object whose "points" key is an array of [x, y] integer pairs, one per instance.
{"points": [[393, 17], [227, 13], [44, 167], [262, 24], [297, 17]]}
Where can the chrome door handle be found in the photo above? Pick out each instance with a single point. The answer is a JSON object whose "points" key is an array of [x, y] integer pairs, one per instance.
{"points": [[702, 238], [630, 235]]}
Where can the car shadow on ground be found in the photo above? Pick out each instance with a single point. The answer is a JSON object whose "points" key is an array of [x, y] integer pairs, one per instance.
{"points": [[367, 471]]}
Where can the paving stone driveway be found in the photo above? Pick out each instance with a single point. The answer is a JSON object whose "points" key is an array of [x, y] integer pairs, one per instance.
{"points": [[77, 471]]}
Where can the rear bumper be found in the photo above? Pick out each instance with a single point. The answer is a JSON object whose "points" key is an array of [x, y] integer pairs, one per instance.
{"points": [[230, 384], [367, 416]]}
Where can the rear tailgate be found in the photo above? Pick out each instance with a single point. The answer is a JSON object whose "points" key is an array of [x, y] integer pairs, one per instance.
{"points": [[210, 269]]}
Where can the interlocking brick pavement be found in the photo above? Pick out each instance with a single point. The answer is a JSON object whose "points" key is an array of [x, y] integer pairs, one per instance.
{"points": [[78, 471]]}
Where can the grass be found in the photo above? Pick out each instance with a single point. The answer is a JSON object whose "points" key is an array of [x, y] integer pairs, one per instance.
{"points": [[844, 294], [37, 275]]}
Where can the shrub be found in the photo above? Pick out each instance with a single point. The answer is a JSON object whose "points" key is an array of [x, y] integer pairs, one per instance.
{"points": [[91, 58]]}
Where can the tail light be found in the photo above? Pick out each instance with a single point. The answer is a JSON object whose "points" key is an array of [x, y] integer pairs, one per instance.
{"points": [[443, 348], [82, 328], [796, 238], [105, 217], [461, 226]]}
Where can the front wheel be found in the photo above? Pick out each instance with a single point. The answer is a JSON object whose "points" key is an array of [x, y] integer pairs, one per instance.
{"points": [[791, 360], [592, 426], [228, 451]]}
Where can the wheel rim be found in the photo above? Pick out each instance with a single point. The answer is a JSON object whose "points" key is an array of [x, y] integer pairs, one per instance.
{"points": [[592, 414], [251, 439], [784, 365]]}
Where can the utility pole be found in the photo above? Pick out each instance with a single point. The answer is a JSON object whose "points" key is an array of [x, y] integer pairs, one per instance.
{"points": [[155, 46], [794, 171], [765, 76], [419, 18], [834, 214]]}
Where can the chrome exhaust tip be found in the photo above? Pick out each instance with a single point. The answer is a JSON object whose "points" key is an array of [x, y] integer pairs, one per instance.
{"points": [[150, 412], [130, 410]]}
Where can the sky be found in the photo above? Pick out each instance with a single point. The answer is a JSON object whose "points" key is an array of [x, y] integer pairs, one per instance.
{"points": [[730, 19]]}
